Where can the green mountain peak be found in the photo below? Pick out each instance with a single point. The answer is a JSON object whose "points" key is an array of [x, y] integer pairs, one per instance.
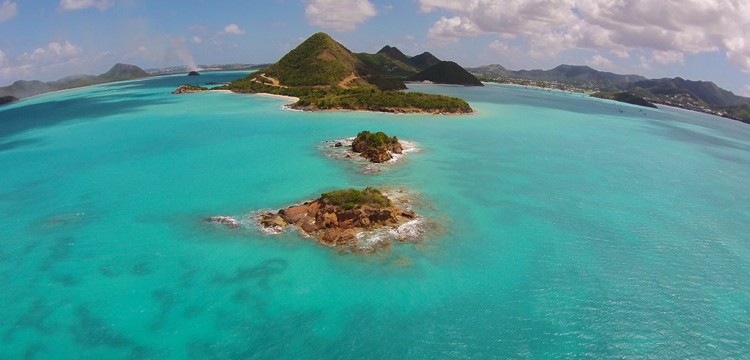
{"points": [[318, 61]]}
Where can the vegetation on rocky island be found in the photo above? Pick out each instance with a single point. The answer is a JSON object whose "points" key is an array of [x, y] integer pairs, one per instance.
{"points": [[376, 147], [339, 218], [361, 98], [352, 198], [189, 89]]}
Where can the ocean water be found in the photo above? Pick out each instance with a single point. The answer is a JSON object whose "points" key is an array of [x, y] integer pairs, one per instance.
{"points": [[563, 227]]}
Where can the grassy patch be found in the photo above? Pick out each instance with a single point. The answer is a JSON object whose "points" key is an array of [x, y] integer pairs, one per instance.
{"points": [[352, 198]]}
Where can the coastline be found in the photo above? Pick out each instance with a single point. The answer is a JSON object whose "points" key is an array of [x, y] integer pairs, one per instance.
{"points": [[291, 99]]}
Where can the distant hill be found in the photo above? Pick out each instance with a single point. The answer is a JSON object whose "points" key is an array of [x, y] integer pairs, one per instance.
{"points": [[386, 66], [626, 98], [424, 60], [447, 72], [703, 96], [572, 74], [119, 72], [7, 99], [390, 62], [419, 62], [705, 91], [394, 53]]}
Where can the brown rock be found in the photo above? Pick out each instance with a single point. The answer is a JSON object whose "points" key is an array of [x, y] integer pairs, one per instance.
{"points": [[330, 220], [294, 214], [335, 226], [308, 225], [273, 221]]}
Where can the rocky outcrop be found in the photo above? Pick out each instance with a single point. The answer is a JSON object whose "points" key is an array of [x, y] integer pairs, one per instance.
{"points": [[224, 220], [377, 147], [189, 89], [7, 100], [193, 73], [337, 218]]}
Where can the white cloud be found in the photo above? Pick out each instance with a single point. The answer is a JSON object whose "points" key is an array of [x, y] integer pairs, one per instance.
{"points": [[622, 54], [667, 28], [339, 15], [450, 29], [599, 62], [8, 10], [668, 57], [67, 5], [498, 46], [233, 29], [55, 52], [42, 60], [197, 40]]}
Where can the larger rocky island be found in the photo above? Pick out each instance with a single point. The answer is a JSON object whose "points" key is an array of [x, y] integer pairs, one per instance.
{"points": [[339, 218], [325, 75]]}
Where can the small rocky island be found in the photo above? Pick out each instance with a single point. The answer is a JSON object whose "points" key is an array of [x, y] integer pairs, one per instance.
{"points": [[376, 147], [339, 218], [193, 73], [189, 89]]}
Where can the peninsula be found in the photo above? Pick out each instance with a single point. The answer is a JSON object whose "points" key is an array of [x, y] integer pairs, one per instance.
{"points": [[336, 218], [324, 75], [119, 72], [701, 96]]}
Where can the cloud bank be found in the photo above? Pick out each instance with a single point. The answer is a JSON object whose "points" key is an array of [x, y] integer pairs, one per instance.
{"points": [[68, 5], [339, 15], [667, 29], [8, 10], [233, 29]]}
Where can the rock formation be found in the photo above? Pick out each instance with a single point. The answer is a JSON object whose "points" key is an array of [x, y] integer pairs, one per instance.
{"points": [[189, 89], [336, 218], [224, 220]]}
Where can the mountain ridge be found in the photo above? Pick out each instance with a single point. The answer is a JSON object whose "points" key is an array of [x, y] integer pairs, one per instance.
{"points": [[26, 88], [447, 72], [703, 96]]}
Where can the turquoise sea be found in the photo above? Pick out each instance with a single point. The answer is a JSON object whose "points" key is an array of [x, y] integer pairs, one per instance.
{"points": [[569, 227]]}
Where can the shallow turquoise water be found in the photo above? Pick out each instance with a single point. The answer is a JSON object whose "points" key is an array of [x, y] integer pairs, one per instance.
{"points": [[571, 227]]}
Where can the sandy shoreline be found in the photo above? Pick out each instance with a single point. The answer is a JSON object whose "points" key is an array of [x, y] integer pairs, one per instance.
{"points": [[291, 99]]}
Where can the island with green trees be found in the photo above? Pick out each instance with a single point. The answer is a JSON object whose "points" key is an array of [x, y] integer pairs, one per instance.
{"points": [[324, 75], [376, 147]]}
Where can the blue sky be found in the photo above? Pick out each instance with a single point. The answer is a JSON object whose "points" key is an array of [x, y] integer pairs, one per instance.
{"points": [[695, 39]]}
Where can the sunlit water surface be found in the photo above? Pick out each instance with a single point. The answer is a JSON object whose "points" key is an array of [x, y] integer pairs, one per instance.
{"points": [[567, 227]]}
